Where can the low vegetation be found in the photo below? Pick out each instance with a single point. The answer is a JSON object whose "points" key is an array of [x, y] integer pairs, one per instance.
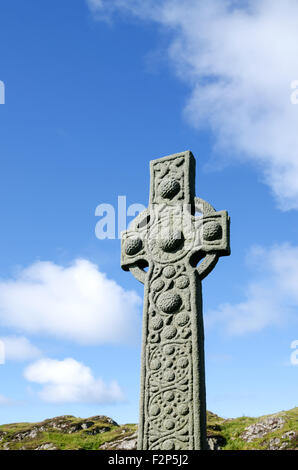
{"points": [[274, 432]]}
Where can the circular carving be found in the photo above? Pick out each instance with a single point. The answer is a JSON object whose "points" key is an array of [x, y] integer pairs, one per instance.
{"points": [[182, 282], [154, 410], [154, 338], [169, 424], [169, 350], [168, 410], [182, 319], [157, 323], [168, 238], [168, 363], [182, 362], [157, 285], [186, 333], [168, 445], [171, 241], [168, 188], [155, 364], [169, 376], [169, 271], [183, 409], [133, 246], [170, 332], [169, 396], [169, 302], [212, 231]]}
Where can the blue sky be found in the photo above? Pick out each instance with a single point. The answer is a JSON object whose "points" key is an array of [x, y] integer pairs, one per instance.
{"points": [[94, 91]]}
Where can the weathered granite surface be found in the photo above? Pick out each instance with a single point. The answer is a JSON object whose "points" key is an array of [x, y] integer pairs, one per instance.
{"points": [[179, 238]]}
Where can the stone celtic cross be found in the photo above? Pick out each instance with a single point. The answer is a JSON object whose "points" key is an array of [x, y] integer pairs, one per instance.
{"points": [[179, 238]]}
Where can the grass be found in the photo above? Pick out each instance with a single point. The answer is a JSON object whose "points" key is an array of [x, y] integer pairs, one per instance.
{"points": [[232, 430], [84, 434]]}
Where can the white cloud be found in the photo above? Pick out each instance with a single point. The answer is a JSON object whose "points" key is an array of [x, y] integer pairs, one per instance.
{"points": [[19, 348], [239, 58], [77, 302], [270, 299], [94, 4], [142, 8], [70, 381]]}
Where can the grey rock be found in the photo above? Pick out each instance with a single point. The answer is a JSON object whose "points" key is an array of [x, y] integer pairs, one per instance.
{"points": [[126, 443], [2, 435], [104, 419], [213, 443], [87, 424], [262, 427], [98, 430], [26, 435], [274, 444], [290, 435], [48, 446]]}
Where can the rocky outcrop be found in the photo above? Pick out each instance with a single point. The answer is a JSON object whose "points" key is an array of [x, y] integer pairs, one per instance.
{"points": [[125, 443], [275, 432], [31, 435], [283, 442], [216, 442], [46, 447], [263, 427]]}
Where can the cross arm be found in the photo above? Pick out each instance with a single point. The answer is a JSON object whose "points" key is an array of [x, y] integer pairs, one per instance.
{"points": [[213, 241], [134, 247], [215, 233]]}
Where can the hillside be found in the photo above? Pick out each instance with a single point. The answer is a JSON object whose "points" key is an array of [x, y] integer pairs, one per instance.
{"points": [[274, 432]]}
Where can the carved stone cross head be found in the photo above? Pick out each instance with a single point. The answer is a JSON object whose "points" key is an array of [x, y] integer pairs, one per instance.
{"points": [[180, 248], [169, 230]]}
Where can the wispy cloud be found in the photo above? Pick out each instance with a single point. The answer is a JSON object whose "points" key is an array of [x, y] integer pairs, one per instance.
{"points": [[19, 348], [4, 401], [70, 381], [270, 299], [77, 302], [239, 58]]}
